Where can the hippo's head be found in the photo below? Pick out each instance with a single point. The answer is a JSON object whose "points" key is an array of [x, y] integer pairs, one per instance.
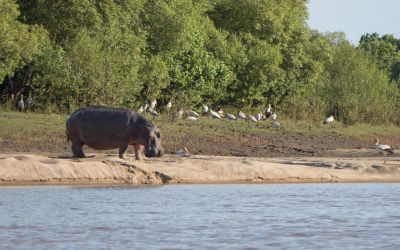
{"points": [[152, 142]]}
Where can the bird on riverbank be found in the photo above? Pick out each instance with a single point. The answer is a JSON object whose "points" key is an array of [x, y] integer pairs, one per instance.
{"points": [[329, 120], [193, 113], [192, 118], [253, 118], [268, 112], [230, 116], [204, 109], [221, 113], [259, 116], [273, 116], [215, 114], [31, 103], [383, 149], [179, 114], [168, 106], [141, 109], [153, 113], [242, 115], [153, 105], [21, 104]]}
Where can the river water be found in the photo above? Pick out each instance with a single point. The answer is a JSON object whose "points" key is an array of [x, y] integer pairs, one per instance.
{"points": [[242, 216]]}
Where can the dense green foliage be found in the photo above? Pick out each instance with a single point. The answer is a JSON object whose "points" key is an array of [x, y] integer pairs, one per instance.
{"points": [[241, 54]]}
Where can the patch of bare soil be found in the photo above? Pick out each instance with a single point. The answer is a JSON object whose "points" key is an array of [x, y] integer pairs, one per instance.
{"points": [[252, 145]]}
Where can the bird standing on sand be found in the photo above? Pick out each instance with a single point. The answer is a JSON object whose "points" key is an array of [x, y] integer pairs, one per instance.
{"points": [[383, 149], [329, 120], [21, 104], [153, 104]]}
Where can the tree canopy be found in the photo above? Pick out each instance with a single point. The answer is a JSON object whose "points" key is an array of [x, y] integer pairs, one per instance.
{"points": [[223, 53]]}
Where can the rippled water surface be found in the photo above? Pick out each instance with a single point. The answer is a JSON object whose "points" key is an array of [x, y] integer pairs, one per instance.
{"points": [[294, 216]]}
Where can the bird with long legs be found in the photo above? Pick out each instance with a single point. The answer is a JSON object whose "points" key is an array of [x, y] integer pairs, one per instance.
{"points": [[383, 149]]}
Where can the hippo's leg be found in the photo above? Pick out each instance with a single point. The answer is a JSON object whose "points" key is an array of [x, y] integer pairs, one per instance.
{"points": [[77, 149], [122, 151], [138, 152]]}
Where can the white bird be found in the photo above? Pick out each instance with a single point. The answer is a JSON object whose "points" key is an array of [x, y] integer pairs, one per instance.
{"points": [[275, 124], [146, 106], [253, 118], [221, 113], [192, 118], [329, 120], [21, 104], [242, 115], [182, 152], [215, 114], [268, 112], [259, 116], [230, 116], [153, 112], [153, 104], [31, 102], [273, 116], [205, 109], [180, 113], [383, 149], [168, 106], [141, 109], [193, 113]]}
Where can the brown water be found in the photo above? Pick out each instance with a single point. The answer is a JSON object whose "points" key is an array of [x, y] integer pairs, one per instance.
{"points": [[293, 216]]}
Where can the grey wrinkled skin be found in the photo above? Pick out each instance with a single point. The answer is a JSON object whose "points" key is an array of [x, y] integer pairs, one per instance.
{"points": [[108, 128]]}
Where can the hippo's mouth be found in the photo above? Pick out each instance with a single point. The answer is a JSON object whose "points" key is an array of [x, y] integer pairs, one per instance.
{"points": [[152, 152]]}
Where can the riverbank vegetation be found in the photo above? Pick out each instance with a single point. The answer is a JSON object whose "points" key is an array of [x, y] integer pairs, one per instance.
{"points": [[225, 53]]}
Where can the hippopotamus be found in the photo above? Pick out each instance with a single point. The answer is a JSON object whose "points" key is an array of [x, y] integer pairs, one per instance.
{"points": [[107, 128]]}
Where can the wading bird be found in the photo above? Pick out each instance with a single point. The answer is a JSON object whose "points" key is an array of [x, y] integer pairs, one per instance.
{"points": [[153, 113], [221, 113], [215, 114], [259, 116], [230, 116], [253, 118], [153, 104], [268, 112], [383, 149], [180, 113], [273, 116], [242, 115], [193, 113], [192, 118], [30, 102], [329, 120], [168, 106], [204, 109], [21, 104], [141, 109]]}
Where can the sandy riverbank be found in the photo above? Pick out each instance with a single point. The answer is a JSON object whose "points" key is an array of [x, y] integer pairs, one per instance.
{"points": [[21, 169]]}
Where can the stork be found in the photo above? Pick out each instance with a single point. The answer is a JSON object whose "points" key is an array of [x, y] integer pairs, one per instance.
{"points": [[31, 102], [141, 109], [273, 116], [383, 149], [204, 109], [21, 104], [215, 114], [168, 106], [329, 120], [221, 113], [153, 113], [259, 116], [146, 106], [193, 113], [230, 116], [180, 113], [242, 115], [268, 112], [153, 105], [253, 118]]}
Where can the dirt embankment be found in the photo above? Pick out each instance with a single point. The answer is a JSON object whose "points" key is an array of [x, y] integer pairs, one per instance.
{"points": [[18, 168]]}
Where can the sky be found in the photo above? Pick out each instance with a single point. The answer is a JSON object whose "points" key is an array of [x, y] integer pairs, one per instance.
{"points": [[355, 17]]}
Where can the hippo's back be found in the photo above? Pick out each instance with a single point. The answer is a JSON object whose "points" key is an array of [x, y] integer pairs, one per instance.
{"points": [[100, 127]]}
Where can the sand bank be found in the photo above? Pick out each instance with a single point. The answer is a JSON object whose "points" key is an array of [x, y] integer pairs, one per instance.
{"points": [[21, 169]]}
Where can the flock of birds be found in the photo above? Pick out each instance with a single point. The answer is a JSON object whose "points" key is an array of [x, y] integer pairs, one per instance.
{"points": [[192, 115]]}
